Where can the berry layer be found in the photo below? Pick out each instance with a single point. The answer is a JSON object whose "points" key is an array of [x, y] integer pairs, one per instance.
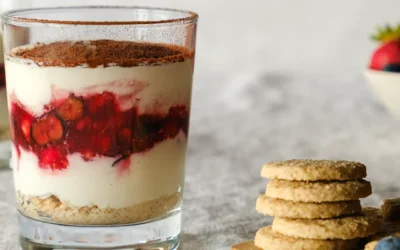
{"points": [[114, 179]]}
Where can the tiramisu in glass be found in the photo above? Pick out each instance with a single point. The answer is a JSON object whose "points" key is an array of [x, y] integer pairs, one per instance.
{"points": [[99, 102]]}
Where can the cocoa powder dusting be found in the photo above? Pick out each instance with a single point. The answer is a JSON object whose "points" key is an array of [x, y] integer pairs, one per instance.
{"points": [[103, 53]]}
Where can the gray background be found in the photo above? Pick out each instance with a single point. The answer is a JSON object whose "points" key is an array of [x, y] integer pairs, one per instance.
{"points": [[274, 80]]}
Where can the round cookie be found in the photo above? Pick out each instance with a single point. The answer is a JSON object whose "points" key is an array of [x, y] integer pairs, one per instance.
{"points": [[367, 223], [314, 170], [306, 210], [301, 191], [268, 239]]}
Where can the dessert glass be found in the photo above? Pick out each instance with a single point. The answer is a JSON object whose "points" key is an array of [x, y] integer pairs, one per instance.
{"points": [[99, 101]]}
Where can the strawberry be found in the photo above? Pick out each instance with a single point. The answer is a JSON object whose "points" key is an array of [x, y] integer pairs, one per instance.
{"points": [[125, 140], [53, 159], [83, 123], [101, 103], [171, 128], [387, 56], [12, 131], [71, 109], [88, 155], [141, 144], [148, 124], [125, 136], [26, 128], [178, 112], [106, 144]]}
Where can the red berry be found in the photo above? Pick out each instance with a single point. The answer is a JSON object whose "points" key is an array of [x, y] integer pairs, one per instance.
{"points": [[178, 112], [104, 144], [125, 135], [104, 98], [101, 103], [26, 129], [55, 128], [83, 123], [46, 129], [88, 155], [12, 132], [144, 143], [171, 128], [388, 53], [108, 144], [125, 141], [71, 109], [52, 158], [124, 119], [148, 124]]}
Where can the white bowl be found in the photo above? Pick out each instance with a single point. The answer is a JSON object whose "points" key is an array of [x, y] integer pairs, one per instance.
{"points": [[386, 85]]}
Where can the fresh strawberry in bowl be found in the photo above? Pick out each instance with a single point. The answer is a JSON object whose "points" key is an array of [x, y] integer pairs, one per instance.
{"points": [[383, 73], [387, 56]]}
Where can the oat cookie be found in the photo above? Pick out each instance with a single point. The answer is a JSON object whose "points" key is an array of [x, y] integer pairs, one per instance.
{"points": [[268, 239], [367, 223], [248, 245], [321, 191], [306, 210], [314, 170], [391, 210]]}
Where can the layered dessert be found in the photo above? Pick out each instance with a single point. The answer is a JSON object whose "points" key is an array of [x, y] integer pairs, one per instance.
{"points": [[99, 129]]}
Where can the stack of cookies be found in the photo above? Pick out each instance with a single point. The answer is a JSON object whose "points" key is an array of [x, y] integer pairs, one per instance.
{"points": [[316, 205]]}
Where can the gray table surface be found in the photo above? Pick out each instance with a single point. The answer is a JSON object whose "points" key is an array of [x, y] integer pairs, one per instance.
{"points": [[271, 83]]}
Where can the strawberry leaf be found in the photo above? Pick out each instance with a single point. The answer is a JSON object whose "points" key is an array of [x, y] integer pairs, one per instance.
{"points": [[386, 33]]}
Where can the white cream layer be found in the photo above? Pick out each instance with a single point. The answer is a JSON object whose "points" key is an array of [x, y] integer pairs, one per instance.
{"points": [[157, 87], [152, 174]]}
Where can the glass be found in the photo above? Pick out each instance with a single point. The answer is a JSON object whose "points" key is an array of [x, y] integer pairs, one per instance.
{"points": [[5, 152], [99, 101]]}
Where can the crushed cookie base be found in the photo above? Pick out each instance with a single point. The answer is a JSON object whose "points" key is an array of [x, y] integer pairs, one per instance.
{"points": [[51, 209]]}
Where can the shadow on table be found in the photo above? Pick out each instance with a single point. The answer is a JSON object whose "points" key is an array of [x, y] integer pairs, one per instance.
{"points": [[185, 241]]}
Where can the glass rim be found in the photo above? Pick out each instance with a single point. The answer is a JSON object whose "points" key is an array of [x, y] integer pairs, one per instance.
{"points": [[13, 17]]}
